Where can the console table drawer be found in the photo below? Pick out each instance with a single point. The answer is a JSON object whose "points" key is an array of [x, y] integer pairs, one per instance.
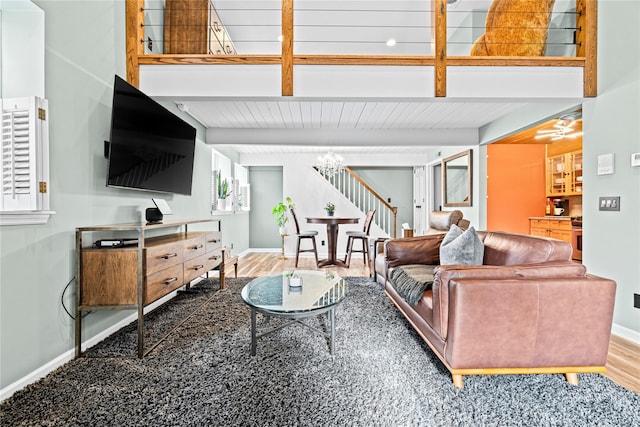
{"points": [[163, 256], [161, 283], [194, 247], [213, 241], [194, 267], [214, 259]]}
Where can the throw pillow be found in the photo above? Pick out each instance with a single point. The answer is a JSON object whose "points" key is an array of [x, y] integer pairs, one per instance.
{"points": [[461, 247]]}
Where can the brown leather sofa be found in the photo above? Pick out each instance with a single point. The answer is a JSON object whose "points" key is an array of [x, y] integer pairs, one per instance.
{"points": [[528, 309], [439, 223]]}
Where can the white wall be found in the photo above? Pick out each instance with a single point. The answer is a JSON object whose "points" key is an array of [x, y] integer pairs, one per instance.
{"points": [[21, 63], [310, 192], [472, 213], [611, 124]]}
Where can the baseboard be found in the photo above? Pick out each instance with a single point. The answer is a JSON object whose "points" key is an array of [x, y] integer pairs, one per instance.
{"points": [[626, 333], [69, 355]]}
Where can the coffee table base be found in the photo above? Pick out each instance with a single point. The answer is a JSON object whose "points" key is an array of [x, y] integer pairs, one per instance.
{"points": [[295, 318]]}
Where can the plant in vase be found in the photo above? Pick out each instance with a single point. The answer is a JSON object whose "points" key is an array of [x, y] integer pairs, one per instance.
{"points": [[223, 192], [330, 208], [279, 212]]}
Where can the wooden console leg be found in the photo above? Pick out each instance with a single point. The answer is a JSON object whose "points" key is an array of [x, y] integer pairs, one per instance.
{"points": [[572, 378], [457, 381]]}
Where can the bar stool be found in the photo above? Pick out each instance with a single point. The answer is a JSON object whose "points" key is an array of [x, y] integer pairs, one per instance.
{"points": [[363, 236], [310, 234]]}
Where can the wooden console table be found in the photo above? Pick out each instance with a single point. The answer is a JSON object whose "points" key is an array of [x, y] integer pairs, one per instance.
{"points": [[132, 277]]}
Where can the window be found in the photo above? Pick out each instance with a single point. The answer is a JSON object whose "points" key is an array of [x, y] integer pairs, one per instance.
{"points": [[25, 161]]}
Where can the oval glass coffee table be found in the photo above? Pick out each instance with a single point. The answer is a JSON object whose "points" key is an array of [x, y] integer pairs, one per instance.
{"points": [[295, 295]]}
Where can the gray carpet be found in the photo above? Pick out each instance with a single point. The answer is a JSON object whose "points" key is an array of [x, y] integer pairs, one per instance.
{"points": [[382, 375]]}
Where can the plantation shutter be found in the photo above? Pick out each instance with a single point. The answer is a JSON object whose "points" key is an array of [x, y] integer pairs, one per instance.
{"points": [[25, 155], [214, 190]]}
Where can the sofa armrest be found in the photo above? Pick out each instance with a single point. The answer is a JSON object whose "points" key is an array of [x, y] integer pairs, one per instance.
{"points": [[413, 250], [444, 274], [533, 322]]}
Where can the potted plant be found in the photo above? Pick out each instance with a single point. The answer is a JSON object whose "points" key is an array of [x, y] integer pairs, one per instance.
{"points": [[280, 214], [223, 192], [330, 208]]}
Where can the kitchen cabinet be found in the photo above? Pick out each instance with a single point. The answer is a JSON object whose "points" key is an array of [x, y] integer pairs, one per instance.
{"points": [[556, 228], [564, 174], [193, 26]]}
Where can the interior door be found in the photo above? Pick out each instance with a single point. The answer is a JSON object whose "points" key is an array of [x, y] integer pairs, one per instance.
{"points": [[419, 199], [436, 187]]}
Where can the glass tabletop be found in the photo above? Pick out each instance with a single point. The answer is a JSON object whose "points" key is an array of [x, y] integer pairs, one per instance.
{"points": [[295, 291]]}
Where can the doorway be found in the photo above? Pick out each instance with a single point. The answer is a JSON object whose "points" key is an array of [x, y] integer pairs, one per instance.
{"points": [[266, 192], [419, 200]]}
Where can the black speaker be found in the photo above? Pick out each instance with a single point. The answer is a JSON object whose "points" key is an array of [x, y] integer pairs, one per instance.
{"points": [[153, 215]]}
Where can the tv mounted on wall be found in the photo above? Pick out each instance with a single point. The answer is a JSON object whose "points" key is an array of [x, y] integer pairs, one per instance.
{"points": [[150, 148]]}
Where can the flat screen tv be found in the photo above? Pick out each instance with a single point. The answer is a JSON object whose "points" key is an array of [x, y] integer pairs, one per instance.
{"points": [[150, 148]]}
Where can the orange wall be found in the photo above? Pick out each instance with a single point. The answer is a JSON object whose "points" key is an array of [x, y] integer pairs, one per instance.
{"points": [[515, 186]]}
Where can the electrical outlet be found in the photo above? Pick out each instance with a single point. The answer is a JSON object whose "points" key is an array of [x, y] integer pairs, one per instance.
{"points": [[609, 203], [322, 243], [636, 300]]}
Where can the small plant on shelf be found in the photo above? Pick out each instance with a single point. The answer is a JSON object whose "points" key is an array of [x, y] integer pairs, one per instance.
{"points": [[330, 208], [223, 188]]}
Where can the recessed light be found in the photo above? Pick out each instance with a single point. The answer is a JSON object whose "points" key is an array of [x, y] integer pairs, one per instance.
{"points": [[391, 42]]}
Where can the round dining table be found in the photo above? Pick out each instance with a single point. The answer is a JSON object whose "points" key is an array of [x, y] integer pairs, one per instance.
{"points": [[332, 223]]}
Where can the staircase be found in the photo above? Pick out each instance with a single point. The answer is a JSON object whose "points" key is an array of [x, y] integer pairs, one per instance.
{"points": [[364, 198]]}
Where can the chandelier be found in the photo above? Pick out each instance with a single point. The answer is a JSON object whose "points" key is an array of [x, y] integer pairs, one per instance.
{"points": [[330, 164]]}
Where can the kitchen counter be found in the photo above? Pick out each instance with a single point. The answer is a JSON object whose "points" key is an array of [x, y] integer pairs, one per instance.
{"points": [[551, 217]]}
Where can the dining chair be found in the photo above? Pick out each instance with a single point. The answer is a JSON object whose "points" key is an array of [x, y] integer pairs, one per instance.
{"points": [[310, 234], [363, 236]]}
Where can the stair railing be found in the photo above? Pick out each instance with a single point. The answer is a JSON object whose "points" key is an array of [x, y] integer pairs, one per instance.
{"points": [[364, 198]]}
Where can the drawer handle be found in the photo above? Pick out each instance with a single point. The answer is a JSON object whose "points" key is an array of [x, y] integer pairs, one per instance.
{"points": [[170, 281], [196, 247], [198, 267], [214, 241], [215, 257], [169, 256]]}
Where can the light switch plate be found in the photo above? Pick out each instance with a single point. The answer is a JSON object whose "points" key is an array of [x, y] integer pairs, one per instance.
{"points": [[635, 159], [609, 203], [606, 164]]}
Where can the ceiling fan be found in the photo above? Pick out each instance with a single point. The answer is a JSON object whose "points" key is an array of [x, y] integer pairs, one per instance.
{"points": [[563, 128]]}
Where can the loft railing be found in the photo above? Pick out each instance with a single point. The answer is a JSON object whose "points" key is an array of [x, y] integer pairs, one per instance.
{"points": [[365, 198], [437, 33]]}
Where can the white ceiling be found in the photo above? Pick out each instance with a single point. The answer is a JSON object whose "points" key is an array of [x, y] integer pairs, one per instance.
{"points": [[342, 27], [374, 126], [347, 114]]}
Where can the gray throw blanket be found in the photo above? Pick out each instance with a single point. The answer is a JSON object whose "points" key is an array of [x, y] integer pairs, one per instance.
{"points": [[411, 281]]}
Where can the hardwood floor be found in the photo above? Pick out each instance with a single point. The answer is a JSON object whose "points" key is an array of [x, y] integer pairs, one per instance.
{"points": [[623, 362]]}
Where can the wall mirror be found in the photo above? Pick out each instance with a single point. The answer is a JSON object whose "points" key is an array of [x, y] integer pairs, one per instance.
{"points": [[456, 180]]}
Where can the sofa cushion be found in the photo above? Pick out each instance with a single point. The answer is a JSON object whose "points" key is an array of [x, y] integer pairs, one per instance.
{"points": [[461, 247], [413, 250], [411, 281], [515, 249]]}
